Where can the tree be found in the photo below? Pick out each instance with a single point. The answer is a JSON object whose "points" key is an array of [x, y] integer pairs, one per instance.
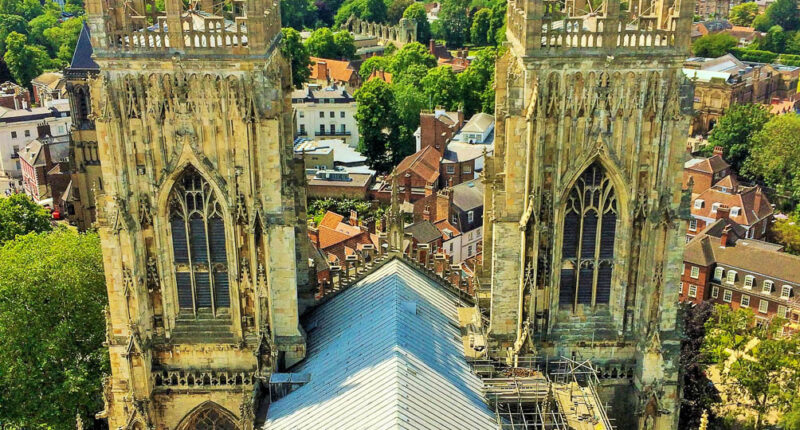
{"points": [[481, 23], [371, 64], [416, 12], [27, 9], [345, 44], [454, 21], [743, 14], [19, 215], [324, 43], [413, 75], [38, 25], [498, 23], [762, 23], [293, 49], [374, 11], [24, 61], [377, 123], [699, 393], [64, 37], [787, 233], [475, 80], [441, 87], [774, 41], [296, 13], [765, 370], [397, 9], [52, 294], [411, 54], [713, 45], [734, 132], [8, 24], [785, 14], [409, 101], [775, 155]]}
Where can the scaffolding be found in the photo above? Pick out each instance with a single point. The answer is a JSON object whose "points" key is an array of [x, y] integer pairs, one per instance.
{"points": [[541, 394]]}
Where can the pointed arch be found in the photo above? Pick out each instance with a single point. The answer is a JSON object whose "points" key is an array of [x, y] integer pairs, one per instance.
{"points": [[197, 231], [589, 232], [208, 416]]}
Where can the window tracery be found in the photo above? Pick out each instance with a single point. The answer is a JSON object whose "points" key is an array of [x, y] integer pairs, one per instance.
{"points": [[198, 243], [589, 234], [209, 418]]}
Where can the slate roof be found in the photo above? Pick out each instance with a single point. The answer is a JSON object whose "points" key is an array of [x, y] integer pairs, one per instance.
{"points": [[468, 195], [82, 58], [385, 354], [479, 123], [424, 231]]}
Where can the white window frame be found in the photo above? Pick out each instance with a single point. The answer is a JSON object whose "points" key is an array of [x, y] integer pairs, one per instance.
{"points": [[714, 291], [695, 272], [718, 273], [714, 207], [736, 211], [749, 280], [466, 169], [783, 311], [744, 301], [692, 291], [450, 169], [727, 296], [693, 224], [786, 292], [763, 306], [730, 278], [470, 216], [698, 204], [766, 287]]}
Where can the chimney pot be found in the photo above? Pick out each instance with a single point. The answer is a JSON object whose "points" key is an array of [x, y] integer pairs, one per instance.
{"points": [[718, 150], [723, 239], [723, 211]]}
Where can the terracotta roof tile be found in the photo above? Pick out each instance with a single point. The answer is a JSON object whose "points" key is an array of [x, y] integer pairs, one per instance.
{"points": [[424, 163], [331, 220], [338, 70], [752, 202]]}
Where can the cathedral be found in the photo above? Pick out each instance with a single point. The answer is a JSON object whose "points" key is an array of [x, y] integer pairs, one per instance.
{"points": [[212, 321]]}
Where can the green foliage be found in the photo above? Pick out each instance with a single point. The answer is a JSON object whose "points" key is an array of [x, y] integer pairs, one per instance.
{"points": [[454, 21], [377, 123], [784, 13], [497, 30], [727, 329], [412, 75], [442, 88], [762, 23], [38, 25], [8, 24], [63, 38], [19, 215], [318, 207], [408, 102], [734, 132], [475, 80], [369, 10], [324, 43], [296, 13], [412, 54], [713, 45], [775, 155], [699, 394], [743, 14], [774, 41], [371, 64], [374, 11], [793, 44], [293, 49], [754, 55], [27, 9], [397, 9], [480, 31], [52, 294], [787, 233], [416, 12]]}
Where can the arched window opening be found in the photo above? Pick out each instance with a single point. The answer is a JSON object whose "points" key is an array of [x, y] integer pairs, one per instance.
{"points": [[210, 417], [587, 250], [198, 242]]}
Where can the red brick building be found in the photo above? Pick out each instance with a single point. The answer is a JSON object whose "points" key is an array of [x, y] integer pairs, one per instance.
{"points": [[716, 193], [724, 267]]}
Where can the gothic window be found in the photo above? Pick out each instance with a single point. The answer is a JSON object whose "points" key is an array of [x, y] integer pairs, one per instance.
{"points": [[590, 224], [198, 245], [209, 417]]}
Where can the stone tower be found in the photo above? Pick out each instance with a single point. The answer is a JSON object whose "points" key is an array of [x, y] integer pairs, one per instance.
{"points": [[583, 242], [202, 209]]}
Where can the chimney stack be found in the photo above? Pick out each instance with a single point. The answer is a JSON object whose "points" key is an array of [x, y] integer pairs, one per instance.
{"points": [[723, 239], [407, 190], [353, 218], [723, 211], [718, 151]]}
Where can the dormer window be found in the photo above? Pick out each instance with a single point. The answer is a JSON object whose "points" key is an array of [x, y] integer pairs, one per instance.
{"points": [[718, 273], [714, 207], [786, 292], [698, 204], [766, 287], [731, 278], [736, 211], [748, 281]]}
